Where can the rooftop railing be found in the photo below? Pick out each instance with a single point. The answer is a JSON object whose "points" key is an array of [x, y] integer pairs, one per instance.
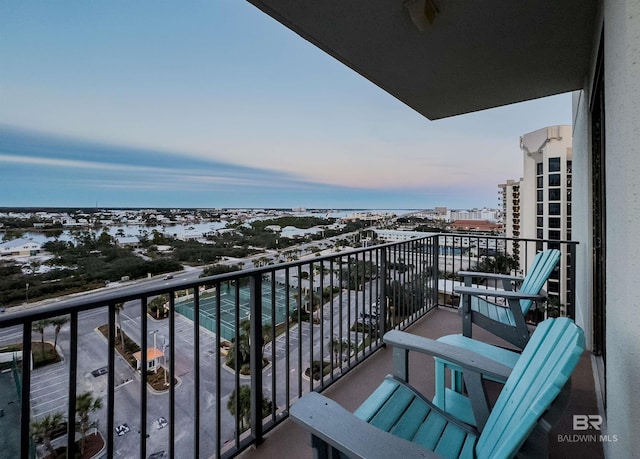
{"points": [[205, 367]]}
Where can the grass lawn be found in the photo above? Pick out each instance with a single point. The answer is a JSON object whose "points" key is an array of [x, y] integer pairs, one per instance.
{"points": [[42, 354]]}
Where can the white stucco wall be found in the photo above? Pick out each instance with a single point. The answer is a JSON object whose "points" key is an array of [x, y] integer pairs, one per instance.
{"points": [[622, 156], [622, 93]]}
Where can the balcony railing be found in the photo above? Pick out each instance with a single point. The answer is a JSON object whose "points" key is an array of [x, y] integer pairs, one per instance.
{"points": [[286, 329], [507, 255]]}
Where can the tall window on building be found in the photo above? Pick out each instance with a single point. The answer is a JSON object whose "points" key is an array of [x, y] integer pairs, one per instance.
{"points": [[539, 204], [554, 194], [569, 167]]}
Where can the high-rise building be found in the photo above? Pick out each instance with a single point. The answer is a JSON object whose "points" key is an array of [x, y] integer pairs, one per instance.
{"points": [[510, 214], [538, 206]]}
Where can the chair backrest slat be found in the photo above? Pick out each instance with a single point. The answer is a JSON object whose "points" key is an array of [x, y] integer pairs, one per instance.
{"points": [[537, 378], [540, 270]]}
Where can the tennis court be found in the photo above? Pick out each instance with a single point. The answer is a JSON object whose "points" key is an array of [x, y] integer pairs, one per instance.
{"points": [[10, 409], [229, 303]]}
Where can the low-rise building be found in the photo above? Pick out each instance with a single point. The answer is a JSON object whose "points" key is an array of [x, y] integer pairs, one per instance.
{"points": [[476, 225], [398, 236], [20, 247], [128, 241]]}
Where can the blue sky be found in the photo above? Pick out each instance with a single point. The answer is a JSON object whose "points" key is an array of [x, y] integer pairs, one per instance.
{"points": [[214, 104]]}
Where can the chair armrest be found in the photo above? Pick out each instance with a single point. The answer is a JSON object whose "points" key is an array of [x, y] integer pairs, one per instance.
{"points": [[464, 358], [508, 281], [507, 294], [332, 424], [498, 276]]}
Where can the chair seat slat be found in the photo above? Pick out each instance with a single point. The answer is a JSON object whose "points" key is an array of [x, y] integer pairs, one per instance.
{"points": [[413, 418], [373, 403], [429, 433], [451, 441], [493, 311], [392, 410]]}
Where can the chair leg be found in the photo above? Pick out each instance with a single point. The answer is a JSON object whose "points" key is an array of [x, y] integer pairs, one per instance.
{"points": [[322, 450], [440, 383], [536, 445], [456, 382], [466, 316]]}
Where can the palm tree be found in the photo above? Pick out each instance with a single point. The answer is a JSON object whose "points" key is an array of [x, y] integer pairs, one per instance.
{"points": [[339, 347], [43, 428], [336, 346], [119, 307], [267, 336], [244, 345], [58, 322], [303, 298], [244, 406], [85, 405], [39, 326]]}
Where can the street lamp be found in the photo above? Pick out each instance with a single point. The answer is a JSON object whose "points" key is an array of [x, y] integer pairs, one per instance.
{"points": [[164, 357], [155, 367]]}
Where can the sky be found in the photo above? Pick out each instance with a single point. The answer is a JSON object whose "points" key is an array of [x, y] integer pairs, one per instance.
{"points": [[215, 104]]}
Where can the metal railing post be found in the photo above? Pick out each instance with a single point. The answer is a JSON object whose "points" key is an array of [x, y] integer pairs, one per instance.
{"points": [[111, 387], [196, 370], [172, 372], [571, 308], [143, 370], [382, 296], [25, 404], [436, 269], [255, 346], [73, 377]]}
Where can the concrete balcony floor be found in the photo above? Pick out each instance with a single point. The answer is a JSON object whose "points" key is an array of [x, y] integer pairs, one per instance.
{"points": [[290, 441]]}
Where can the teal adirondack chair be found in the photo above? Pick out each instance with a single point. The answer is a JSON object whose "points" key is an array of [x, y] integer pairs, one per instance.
{"points": [[506, 321], [453, 399], [397, 421]]}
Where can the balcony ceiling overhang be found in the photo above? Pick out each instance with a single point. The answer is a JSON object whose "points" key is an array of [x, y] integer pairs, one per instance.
{"points": [[474, 55]]}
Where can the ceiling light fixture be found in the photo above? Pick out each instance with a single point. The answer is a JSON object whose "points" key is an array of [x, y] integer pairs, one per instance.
{"points": [[422, 12]]}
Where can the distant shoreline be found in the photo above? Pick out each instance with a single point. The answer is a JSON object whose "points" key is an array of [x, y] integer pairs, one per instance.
{"points": [[292, 209]]}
